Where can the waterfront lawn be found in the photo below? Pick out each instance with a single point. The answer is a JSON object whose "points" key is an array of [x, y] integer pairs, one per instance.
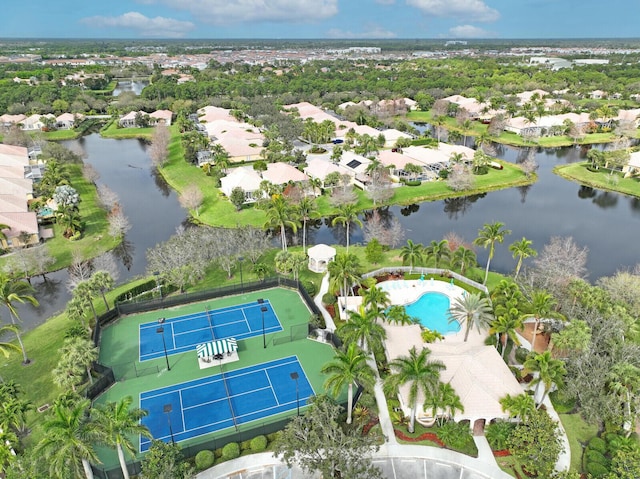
{"points": [[95, 239], [111, 130], [602, 179], [217, 210]]}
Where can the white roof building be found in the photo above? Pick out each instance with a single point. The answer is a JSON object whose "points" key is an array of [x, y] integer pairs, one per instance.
{"points": [[244, 177], [282, 173]]}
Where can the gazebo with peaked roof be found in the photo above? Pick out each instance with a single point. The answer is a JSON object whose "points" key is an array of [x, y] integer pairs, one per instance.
{"points": [[320, 256]]}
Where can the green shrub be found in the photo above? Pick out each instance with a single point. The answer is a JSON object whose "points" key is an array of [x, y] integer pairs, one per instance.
{"points": [[412, 182], [454, 435], [595, 456], [329, 298], [230, 451], [245, 445], [258, 443], [498, 434], [598, 444], [521, 354], [309, 287], [596, 469], [204, 460]]}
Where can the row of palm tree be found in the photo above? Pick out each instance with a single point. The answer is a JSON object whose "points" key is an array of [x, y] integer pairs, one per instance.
{"points": [[74, 429], [12, 292]]}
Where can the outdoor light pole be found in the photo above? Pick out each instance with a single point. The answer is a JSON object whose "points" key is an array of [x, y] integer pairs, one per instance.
{"points": [[160, 331], [167, 409], [264, 340], [294, 376]]}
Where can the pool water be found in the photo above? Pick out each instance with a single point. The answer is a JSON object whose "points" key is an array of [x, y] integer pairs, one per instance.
{"points": [[432, 309]]}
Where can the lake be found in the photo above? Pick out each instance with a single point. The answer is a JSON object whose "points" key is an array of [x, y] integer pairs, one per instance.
{"points": [[606, 223]]}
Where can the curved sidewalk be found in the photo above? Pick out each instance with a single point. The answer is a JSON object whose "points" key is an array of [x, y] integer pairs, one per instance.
{"points": [[395, 461]]}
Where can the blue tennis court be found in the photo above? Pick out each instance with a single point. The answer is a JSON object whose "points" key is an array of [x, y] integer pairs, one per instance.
{"points": [[184, 333], [194, 408]]}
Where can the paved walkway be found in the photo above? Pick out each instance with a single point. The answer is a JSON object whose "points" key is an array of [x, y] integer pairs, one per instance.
{"points": [[324, 288]]}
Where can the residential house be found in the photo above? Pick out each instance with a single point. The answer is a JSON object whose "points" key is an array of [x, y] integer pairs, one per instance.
{"points": [[283, 173], [7, 120], [66, 121], [320, 168], [244, 177], [161, 117]]}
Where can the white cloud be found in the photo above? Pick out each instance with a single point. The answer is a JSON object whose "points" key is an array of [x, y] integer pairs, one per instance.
{"points": [[371, 32], [224, 12], [145, 26], [469, 31], [475, 10]]}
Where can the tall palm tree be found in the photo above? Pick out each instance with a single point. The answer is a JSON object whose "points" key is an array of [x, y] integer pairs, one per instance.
{"points": [[542, 306], [307, 210], [281, 214], [7, 348], [463, 258], [438, 251], [624, 381], [521, 249], [347, 368], [68, 444], [471, 309], [344, 271], [347, 214], [488, 236], [422, 376], [376, 299], [14, 291], [363, 329], [118, 422], [505, 326], [102, 282], [449, 400], [549, 371], [412, 253]]}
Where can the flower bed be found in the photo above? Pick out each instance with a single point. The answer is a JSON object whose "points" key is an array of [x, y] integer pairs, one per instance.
{"points": [[501, 453], [427, 436]]}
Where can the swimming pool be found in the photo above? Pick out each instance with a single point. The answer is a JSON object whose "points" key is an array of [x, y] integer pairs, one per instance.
{"points": [[432, 309]]}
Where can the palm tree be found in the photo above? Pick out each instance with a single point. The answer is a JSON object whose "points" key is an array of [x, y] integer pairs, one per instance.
{"points": [[438, 250], [118, 422], [102, 282], [344, 270], [488, 235], [521, 249], [397, 314], [624, 381], [549, 371], [281, 214], [422, 376], [346, 368], [375, 299], [307, 210], [463, 258], [363, 329], [3, 235], [347, 214], [412, 253], [81, 352], [505, 326], [7, 348], [68, 444], [449, 400], [542, 306], [519, 407], [471, 309], [15, 291]]}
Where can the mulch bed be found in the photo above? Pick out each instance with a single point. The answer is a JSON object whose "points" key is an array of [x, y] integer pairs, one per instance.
{"points": [[501, 453], [367, 427], [422, 437]]}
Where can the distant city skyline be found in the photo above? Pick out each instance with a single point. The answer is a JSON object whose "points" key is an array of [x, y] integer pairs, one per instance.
{"points": [[338, 19]]}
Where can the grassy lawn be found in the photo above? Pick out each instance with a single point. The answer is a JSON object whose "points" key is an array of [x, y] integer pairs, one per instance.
{"points": [[602, 179], [579, 432], [111, 130], [95, 238]]}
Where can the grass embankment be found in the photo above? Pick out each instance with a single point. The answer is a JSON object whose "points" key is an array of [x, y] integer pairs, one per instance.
{"points": [[602, 179], [111, 130], [95, 239], [217, 210], [509, 138], [579, 432]]}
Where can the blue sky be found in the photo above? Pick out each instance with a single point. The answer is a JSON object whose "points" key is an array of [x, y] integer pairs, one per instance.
{"points": [[357, 19]]}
